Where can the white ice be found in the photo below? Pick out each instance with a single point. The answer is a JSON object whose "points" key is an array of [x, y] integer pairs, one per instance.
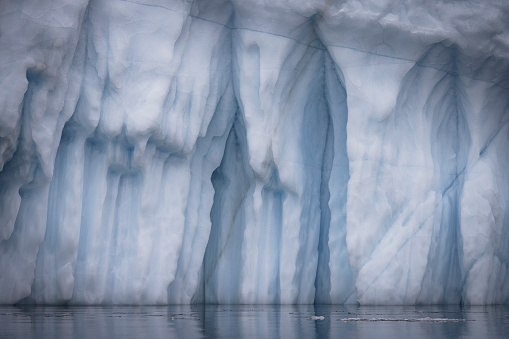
{"points": [[172, 151]]}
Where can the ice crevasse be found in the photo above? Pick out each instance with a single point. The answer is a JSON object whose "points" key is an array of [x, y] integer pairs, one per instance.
{"points": [[286, 151]]}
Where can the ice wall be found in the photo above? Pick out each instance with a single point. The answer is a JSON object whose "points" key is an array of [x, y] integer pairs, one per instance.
{"points": [[157, 151]]}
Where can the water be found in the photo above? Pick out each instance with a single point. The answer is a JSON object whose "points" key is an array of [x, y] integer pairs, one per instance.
{"points": [[254, 321]]}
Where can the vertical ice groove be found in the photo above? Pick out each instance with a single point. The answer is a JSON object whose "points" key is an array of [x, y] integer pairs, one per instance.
{"points": [[57, 255], [450, 143], [207, 157], [323, 274], [342, 288], [270, 241], [223, 260]]}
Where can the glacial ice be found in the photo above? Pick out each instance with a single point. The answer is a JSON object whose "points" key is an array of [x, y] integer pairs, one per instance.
{"points": [[173, 151]]}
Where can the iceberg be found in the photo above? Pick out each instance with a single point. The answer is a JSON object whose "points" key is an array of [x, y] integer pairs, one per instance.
{"points": [[244, 152]]}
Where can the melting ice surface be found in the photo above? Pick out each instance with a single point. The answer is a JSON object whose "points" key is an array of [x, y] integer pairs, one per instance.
{"points": [[166, 151]]}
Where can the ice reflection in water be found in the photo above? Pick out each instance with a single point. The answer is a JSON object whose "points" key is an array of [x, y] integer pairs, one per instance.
{"points": [[254, 321]]}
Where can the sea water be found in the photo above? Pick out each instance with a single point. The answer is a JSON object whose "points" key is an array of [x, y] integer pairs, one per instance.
{"points": [[254, 321]]}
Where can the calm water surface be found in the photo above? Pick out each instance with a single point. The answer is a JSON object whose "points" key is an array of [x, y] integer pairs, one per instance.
{"points": [[245, 321]]}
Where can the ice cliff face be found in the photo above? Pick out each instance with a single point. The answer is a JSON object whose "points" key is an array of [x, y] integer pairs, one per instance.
{"points": [[157, 151]]}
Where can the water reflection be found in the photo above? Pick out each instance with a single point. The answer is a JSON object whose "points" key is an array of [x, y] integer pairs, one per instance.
{"points": [[254, 321]]}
